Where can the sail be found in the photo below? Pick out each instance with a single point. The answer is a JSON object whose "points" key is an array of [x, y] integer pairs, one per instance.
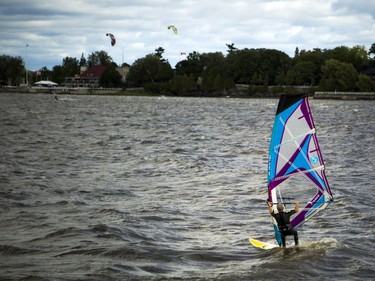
{"points": [[295, 153]]}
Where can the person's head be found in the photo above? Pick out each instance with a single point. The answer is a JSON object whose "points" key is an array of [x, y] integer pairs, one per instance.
{"points": [[280, 207]]}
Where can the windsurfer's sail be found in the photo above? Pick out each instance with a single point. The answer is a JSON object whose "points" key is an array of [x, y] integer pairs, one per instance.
{"points": [[294, 151]]}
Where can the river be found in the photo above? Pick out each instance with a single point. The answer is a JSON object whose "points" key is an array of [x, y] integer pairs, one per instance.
{"points": [[163, 188]]}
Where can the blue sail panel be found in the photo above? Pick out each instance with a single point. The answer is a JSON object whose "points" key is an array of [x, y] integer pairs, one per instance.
{"points": [[294, 151]]}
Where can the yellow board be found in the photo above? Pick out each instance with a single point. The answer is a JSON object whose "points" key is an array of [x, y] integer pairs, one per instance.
{"points": [[262, 245]]}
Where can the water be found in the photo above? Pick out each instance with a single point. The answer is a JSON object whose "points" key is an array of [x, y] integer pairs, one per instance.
{"points": [[141, 188]]}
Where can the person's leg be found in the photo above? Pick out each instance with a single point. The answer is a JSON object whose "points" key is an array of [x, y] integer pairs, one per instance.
{"points": [[283, 239], [295, 234]]}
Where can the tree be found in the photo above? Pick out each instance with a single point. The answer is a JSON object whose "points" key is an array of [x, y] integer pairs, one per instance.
{"points": [[159, 54], [192, 65], [149, 69], [214, 71], [164, 72], [100, 58], [242, 65], [137, 73], [110, 79], [371, 54], [12, 69], [58, 74], [82, 61], [245, 66], [182, 84], [358, 56], [45, 74], [70, 66], [316, 56], [270, 63], [302, 73], [296, 52], [372, 49], [365, 84], [231, 48], [338, 76], [257, 79]]}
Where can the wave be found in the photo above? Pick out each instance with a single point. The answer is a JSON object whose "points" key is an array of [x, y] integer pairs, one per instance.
{"points": [[8, 250]]}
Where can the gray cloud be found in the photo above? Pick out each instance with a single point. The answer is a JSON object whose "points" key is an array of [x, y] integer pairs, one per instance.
{"points": [[56, 29]]}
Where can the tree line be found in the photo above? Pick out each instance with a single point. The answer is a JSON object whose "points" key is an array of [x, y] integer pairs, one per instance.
{"points": [[260, 70], [12, 70]]}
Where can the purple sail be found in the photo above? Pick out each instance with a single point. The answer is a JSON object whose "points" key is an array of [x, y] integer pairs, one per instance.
{"points": [[294, 153]]}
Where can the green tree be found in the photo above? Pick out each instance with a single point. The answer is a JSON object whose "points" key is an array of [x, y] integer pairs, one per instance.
{"points": [[257, 79], [371, 54], [341, 53], [70, 66], [281, 79], [302, 73], [364, 83], [82, 61], [296, 52], [164, 72], [248, 65], [45, 74], [149, 70], [58, 74], [231, 48], [271, 63], [372, 49], [182, 84], [12, 69], [338, 76], [315, 56], [214, 71], [110, 79], [100, 58], [357, 56], [192, 65], [242, 65], [159, 54]]}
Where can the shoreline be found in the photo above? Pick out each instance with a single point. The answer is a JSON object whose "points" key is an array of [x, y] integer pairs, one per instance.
{"points": [[141, 92]]}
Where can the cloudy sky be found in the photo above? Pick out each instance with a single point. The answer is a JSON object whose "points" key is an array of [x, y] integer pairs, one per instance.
{"points": [[55, 29]]}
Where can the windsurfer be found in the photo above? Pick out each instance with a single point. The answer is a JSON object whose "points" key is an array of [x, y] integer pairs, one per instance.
{"points": [[283, 221]]}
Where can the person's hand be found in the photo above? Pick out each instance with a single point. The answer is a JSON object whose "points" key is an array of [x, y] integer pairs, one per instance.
{"points": [[269, 204]]}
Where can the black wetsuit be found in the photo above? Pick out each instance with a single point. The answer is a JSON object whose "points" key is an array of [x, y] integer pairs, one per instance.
{"points": [[285, 228]]}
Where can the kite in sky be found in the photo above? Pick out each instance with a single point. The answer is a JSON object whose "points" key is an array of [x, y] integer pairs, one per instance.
{"points": [[173, 28], [113, 39]]}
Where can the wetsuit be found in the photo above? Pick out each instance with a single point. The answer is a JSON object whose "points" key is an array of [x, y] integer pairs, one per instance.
{"points": [[285, 228]]}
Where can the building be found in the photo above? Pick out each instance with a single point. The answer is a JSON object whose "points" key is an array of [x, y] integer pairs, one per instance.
{"points": [[90, 76]]}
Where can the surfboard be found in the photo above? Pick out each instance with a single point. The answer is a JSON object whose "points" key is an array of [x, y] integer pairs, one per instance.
{"points": [[262, 245]]}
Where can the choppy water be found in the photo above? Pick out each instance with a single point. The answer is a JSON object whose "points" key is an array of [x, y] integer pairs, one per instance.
{"points": [[141, 188]]}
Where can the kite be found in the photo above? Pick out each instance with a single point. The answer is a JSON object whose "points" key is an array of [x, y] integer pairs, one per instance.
{"points": [[173, 28], [113, 39]]}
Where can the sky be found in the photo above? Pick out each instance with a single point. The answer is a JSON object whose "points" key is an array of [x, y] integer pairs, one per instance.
{"points": [[43, 33]]}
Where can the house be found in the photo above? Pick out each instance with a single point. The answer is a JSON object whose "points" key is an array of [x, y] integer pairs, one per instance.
{"points": [[89, 77]]}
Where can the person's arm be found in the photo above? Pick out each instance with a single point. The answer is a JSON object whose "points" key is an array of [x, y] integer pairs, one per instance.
{"points": [[270, 207], [296, 206]]}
